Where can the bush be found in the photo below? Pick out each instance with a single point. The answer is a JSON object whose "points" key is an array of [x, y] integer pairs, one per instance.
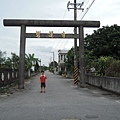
{"points": [[60, 72], [114, 69], [102, 64]]}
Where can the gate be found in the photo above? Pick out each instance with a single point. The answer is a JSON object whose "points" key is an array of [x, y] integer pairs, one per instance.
{"points": [[50, 23]]}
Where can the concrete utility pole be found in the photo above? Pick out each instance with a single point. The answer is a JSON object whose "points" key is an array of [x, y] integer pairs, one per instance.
{"points": [[76, 6], [53, 62], [40, 65], [75, 47]]}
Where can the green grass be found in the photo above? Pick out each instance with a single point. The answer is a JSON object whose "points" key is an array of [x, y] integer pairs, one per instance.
{"points": [[4, 90]]}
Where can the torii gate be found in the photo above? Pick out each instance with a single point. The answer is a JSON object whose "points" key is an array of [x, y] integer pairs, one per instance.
{"points": [[49, 23]]}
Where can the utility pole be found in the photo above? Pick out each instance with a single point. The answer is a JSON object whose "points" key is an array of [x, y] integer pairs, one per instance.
{"points": [[76, 6], [40, 65], [75, 48], [50, 59], [53, 62]]}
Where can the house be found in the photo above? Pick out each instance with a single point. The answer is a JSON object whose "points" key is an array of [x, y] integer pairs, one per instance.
{"points": [[62, 55]]}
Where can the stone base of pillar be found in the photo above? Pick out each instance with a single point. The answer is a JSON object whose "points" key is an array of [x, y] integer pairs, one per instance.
{"points": [[20, 86]]}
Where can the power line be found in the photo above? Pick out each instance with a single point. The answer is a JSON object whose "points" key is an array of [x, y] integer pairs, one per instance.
{"points": [[59, 30], [84, 6], [64, 13], [84, 13], [88, 9], [65, 44], [75, 6]]}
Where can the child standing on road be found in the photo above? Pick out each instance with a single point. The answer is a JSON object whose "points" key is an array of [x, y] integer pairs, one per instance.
{"points": [[43, 78]]}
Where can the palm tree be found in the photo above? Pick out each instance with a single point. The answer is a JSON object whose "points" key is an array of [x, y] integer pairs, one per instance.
{"points": [[29, 61], [14, 61], [7, 63]]}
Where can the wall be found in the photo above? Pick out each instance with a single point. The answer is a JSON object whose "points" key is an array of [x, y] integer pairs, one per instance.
{"points": [[108, 83]]}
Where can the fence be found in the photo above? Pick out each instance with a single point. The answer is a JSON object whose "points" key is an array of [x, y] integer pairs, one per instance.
{"points": [[9, 76]]}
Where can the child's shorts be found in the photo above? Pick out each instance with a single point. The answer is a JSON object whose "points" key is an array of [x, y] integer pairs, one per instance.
{"points": [[43, 85]]}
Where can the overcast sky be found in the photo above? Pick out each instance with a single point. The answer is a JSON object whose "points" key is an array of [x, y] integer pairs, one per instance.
{"points": [[107, 12]]}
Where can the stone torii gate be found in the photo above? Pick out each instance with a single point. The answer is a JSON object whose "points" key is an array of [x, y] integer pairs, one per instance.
{"points": [[23, 23]]}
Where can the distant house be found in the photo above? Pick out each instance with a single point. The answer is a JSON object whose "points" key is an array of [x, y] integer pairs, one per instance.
{"points": [[62, 55]]}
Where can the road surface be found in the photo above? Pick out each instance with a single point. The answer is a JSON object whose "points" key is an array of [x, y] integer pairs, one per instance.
{"points": [[62, 101]]}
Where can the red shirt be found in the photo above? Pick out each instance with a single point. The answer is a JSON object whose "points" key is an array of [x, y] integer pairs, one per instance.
{"points": [[43, 78]]}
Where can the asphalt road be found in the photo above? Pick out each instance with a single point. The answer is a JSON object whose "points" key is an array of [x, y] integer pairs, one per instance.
{"points": [[62, 101]]}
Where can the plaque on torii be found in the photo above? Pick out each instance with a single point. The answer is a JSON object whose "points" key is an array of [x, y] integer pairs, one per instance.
{"points": [[51, 34], [23, 23]]}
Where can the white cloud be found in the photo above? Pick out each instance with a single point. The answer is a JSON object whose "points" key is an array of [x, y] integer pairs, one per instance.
{"points": [[106, 12]]}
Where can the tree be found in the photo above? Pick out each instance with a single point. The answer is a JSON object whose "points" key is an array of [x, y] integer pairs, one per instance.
{"points": [[70, 60], [104, 42], [7, 63], [55, 64], [51, 66], [36, 64], [15, 60], [2, 58], [102, 48], [114, 69], [44, 67], [12, 62], [101, 64], [29, 61]]}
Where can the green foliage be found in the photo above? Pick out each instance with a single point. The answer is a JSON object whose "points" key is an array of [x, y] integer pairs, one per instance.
{"points": [[114, 69], [44, 68], [55, 64], [60, 72], [13, 62], [51, 66], [70, 60], [10, 62], [104, 42], [102, 49], [7, 63], [2, 58], [29, 60], [102, 64], [36, 66]]}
